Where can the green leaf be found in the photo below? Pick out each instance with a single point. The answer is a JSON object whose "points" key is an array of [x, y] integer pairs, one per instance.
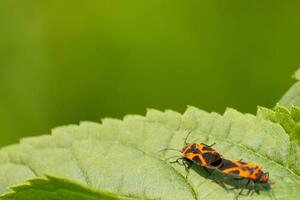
{"points": [[289, 120], [56, 189], [295, 113], [279, 115], [124, 157], [292, 96], [297, 75]]}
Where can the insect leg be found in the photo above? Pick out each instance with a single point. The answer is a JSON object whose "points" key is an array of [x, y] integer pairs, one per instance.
{"points": [[177, 161], [187, 165], [248, 182]]}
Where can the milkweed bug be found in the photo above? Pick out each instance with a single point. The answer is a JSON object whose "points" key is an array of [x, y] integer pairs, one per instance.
{"points": [[200, 154], [242, 170]]}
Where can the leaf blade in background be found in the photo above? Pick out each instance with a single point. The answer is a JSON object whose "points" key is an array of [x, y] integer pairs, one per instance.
{"points": [[292, 96], [288, 119], [57, 189]]}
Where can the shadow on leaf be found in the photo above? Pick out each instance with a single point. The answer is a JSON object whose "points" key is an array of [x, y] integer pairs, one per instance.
{"points": [[231, 183]]}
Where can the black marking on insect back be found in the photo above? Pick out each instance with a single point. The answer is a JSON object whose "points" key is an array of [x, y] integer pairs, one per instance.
{"points": [[189, 150], [210, 157], [227, 164], [217, 163], [197, 160], [258, 176], [207, 148], [207, 156], [194, 149], [250, 170]]}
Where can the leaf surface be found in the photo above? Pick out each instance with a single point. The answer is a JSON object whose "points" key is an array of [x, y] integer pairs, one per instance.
{"points": [[57, 189], [288, 119], [123, 157]]}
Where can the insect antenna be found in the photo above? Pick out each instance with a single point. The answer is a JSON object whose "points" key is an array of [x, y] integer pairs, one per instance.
{"points": [[186, 137]]}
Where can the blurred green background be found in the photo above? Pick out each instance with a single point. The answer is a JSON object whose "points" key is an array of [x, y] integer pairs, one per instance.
{"points": [[62, 62]]}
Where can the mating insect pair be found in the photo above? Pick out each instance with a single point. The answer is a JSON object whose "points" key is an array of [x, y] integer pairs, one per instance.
{"points": [[205, 156]]}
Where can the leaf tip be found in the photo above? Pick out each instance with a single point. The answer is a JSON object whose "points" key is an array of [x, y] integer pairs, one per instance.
{"points": [[297, 75]]}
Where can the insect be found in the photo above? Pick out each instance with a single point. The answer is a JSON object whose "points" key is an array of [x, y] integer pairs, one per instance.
{"points": [[200, 154], [242, 170]]}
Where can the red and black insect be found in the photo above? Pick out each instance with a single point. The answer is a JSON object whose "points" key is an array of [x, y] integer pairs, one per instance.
{"points": [[200, 154], [241, 170], [244, 170]]}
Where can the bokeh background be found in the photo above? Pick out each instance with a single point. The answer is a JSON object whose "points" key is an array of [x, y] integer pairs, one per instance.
{"points": [[63, 62]]}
